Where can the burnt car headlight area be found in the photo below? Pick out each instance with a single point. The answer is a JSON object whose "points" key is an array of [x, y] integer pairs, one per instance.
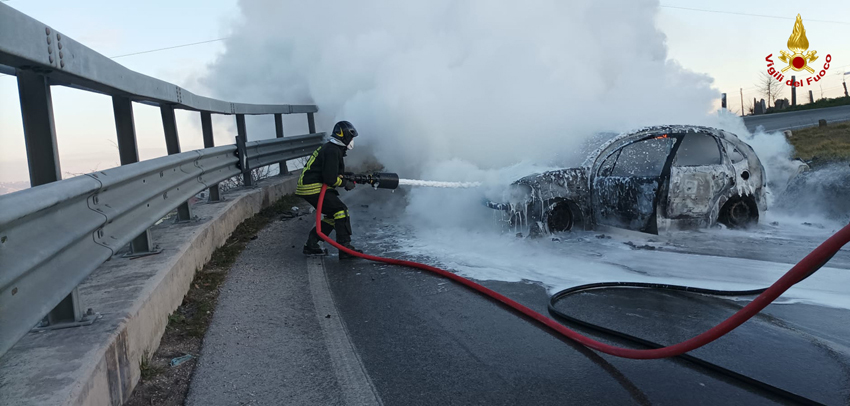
{"points": [[550, 202]]}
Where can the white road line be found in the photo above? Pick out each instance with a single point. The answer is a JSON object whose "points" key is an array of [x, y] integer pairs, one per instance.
{"points": [[351, 375]]}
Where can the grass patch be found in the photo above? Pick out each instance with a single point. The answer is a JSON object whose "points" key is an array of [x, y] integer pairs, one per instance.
{"points": [[822, 144], [148, 369], [162, 384]]}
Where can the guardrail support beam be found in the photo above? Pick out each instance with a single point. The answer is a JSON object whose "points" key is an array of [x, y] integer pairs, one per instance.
{"points": [[169, 127], [209, 142], [43, 161], [125, 129], [311, 123], [172, 145], [39, 128], [241, 139], [278, 128], [128, 152]]}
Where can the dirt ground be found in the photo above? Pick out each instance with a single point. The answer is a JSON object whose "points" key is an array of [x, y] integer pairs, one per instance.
{"points": [[162, 384]]}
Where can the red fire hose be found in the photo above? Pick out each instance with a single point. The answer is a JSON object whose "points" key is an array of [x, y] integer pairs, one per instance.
{"points": [[803, 269]]}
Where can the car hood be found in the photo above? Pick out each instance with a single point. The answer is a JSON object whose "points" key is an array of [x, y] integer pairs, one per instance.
{"points": [[562, 183], [560, 176]]}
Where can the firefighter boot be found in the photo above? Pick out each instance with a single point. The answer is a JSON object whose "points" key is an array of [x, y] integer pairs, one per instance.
{"points": [[344, 255], [311, 247]]}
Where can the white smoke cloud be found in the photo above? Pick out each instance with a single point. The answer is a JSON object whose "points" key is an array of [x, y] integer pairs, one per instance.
{"points": [[471, 90], [485, 82]]}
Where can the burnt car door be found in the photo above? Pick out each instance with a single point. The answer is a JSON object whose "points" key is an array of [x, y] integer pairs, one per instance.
{"points": [[626, 185], [697, 177]]}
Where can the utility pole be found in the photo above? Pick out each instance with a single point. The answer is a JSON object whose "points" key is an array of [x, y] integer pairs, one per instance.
{"points": [[723, 101], [811, 98], [742, 103], [793, 91], [844, 81]]}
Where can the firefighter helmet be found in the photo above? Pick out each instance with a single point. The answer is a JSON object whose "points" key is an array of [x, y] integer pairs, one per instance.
{"points": [[344, 132]]}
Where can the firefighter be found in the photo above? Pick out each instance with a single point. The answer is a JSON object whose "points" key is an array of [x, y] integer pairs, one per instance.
{"points": [[327, 166]]}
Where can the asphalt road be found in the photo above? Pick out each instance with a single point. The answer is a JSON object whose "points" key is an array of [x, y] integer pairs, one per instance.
{"points": [[797, 119], [427, 342], [266, 343], [407, 337]]}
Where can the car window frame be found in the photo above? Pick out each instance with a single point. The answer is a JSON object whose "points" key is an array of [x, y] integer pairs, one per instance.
{"points": [[618, 151], [717, 144], [732, 148], [613, 155]]}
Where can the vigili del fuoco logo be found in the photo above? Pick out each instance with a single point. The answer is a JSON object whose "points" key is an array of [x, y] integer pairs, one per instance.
{"points": [[798, 58]]}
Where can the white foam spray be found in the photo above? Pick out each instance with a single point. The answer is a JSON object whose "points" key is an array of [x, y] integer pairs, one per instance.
{"points": [[431, 183]]}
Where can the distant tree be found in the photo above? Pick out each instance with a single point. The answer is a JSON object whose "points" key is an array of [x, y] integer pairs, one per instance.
{"points": [[768, 87], [750, 109]]}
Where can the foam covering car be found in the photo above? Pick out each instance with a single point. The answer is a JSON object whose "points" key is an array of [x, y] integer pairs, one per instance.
{"points": [[651, 179]]}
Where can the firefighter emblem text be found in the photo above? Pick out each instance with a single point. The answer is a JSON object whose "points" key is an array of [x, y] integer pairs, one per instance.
{"points": [[798, 58]]}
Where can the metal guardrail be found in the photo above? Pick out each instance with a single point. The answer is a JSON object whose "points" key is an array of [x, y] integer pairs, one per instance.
{"points": [[30, 44], [267, 152], [55, 234]]}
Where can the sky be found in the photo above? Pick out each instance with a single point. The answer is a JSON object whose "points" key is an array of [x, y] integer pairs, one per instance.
{"points": [[727, 47]]}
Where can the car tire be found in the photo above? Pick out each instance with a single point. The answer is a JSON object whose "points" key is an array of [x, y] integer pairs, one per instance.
{"points": [[739, 212], [560, 217]]}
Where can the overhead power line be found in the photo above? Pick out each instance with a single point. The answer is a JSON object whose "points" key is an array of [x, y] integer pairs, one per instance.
{"points": [[663, 6], [751, 15], [171, 47]]}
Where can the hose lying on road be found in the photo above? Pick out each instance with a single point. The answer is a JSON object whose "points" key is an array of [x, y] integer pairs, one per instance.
{"points": [[773, 390], [808, 265]]}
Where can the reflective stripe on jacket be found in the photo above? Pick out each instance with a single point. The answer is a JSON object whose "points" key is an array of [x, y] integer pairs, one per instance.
{"points": [[326, 165]]}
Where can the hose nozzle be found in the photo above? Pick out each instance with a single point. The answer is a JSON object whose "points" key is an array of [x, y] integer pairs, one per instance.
{"points": [[378, 180]]}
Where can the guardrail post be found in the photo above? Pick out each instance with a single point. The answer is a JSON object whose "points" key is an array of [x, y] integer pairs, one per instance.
{"points": [[43, 162], [311, 123], [241, 139], [39, 128], [172, 144], [278, 128], [209, 142], [128, 151]]}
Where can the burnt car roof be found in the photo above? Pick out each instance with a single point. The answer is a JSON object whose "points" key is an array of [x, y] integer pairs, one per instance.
{"points": [[626, 137]]}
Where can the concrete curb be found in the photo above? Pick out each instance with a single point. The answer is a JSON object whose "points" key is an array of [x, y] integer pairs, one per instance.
{"points": [[99, 364]]}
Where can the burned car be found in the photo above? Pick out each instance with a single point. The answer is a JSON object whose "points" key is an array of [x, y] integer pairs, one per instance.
{"points": [[654, 178]]}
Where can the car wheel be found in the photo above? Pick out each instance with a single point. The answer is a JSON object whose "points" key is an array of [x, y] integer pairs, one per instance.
{"points": [[560, 217], [739, 212]]}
